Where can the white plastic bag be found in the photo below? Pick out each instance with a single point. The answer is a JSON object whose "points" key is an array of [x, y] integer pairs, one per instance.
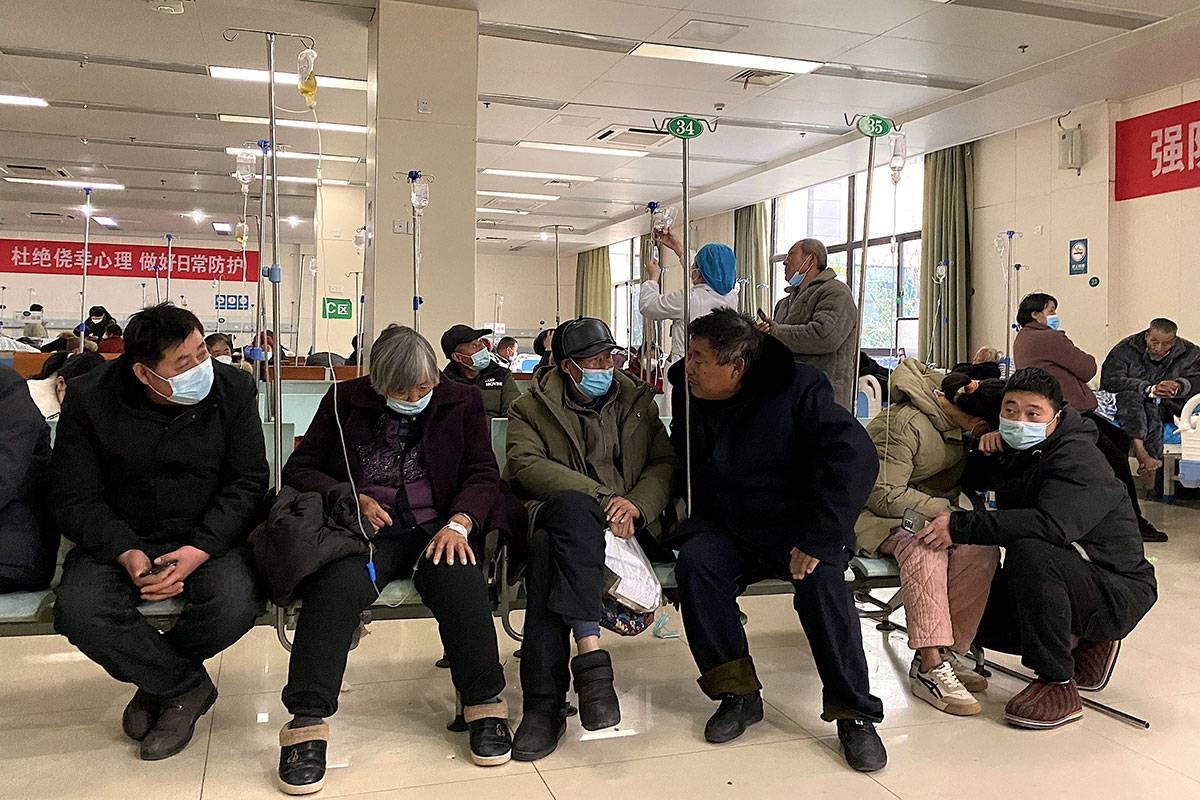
{"points": [[636, 585]]}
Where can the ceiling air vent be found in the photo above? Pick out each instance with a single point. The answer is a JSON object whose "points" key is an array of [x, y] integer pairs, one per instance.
{"points": [[760, 77], [36, 171], [631, 137], [50, 216]]}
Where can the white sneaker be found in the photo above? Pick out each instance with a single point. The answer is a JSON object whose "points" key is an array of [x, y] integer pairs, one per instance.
{"points": [[941, 688], [964, 668]]}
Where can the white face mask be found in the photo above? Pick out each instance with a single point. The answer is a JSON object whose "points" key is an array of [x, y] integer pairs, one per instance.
{"points": [[190, 386], [224, 359]]}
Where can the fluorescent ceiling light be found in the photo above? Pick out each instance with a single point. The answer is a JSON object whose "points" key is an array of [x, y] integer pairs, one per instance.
{"points": [[549, 198], [197, 216], [21, 100], [500, 211], [223, 228], [725, 58], [66, 184], [591, 151], [293, 154], [308, 181], [293, 220], [339, 127], [260, 76], [107, 222], [542, 176]]}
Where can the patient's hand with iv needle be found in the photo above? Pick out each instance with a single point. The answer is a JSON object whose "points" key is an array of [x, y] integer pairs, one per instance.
{"points": [[374, 513]]}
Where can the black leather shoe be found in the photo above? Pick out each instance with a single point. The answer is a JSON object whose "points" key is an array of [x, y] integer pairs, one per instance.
{"points": [[598, 705], [302, 758], [491, 740], [538, 734], [861, 746], [1149, 532], [139, 716], [736, 713], [177, 718]]}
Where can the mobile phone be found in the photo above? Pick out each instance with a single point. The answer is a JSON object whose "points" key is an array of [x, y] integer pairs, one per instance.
{"points": [[914, 521], [762, 315], [157, 568]]}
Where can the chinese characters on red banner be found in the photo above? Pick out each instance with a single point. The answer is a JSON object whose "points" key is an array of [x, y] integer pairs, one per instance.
{"points": [[33, 257], [1158, 152]]}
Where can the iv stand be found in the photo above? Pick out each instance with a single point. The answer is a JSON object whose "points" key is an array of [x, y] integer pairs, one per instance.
{"points": [[170, 259], [557, 272], [938, 336], [87, 241], [861, 285], [413, 177]]}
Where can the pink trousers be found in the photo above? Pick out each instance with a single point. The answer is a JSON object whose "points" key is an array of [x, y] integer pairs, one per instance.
{"points": [[945, 591]]}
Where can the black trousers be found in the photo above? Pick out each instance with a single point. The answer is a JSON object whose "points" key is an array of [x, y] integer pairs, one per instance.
{"points": [[1114, 445], [714, 569], [1044, 594], [564, 580], [335, 597], [95, 607]]}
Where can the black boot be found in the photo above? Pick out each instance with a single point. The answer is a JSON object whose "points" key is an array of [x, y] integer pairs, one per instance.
{"points": [[861, 745], [177, 718], [598, 705], [140, 716], [1149, 532], [302, 758], [538, 734], [491, 740], [736, 713]]}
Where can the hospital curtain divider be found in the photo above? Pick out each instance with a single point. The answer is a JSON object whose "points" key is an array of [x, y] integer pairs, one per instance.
{"points": [[593, 285], [751, 247], [946, 237]]}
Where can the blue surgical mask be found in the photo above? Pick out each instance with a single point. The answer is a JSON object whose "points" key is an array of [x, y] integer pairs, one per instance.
{"points": [[1053, 322], [481, 360], [596, 382], [796, 279], [409, 409], [190, 386], [1023, 435]]}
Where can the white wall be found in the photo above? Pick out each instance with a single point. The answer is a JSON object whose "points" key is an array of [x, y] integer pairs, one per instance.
{"points": [[1137, 248], [527, 283]]}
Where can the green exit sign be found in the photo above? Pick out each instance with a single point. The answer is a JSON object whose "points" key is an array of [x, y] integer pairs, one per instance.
{"points": [[337, 308]]}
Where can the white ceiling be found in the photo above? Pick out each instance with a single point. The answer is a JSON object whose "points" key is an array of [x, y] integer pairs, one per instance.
{"points": [[163, 142]]}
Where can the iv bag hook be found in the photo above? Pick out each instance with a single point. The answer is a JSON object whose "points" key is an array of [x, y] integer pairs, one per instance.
{"points": [[229, 34]]}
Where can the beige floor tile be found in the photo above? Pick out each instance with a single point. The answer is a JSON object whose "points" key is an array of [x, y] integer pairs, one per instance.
{"points": [[1171, 740], [526, 786]]}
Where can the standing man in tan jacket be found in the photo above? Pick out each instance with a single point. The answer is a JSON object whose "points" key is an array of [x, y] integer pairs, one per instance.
{"points": [[818, 320]]}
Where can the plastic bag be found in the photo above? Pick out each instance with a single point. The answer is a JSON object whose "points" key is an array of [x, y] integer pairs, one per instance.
{"points": [[635, 586]]}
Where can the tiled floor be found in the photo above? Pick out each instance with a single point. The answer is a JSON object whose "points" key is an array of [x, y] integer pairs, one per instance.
{"points": [[60, 723]]}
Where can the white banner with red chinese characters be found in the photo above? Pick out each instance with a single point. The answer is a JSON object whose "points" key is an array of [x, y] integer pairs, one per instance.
{"points": [[1158, 152], [35, 257]]}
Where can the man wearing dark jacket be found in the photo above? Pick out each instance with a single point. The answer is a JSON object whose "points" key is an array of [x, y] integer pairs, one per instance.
{"points": [[27, 543], [471, 363], [1075, 574], [159, 467], [780, 472]]}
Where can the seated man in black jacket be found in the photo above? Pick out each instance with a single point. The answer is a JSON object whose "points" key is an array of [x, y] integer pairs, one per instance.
{"points": [[159, 466], [472, 363], [1076, 575], [780, 472], [27, 543]]}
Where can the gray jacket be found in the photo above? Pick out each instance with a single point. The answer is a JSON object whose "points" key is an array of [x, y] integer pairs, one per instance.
{"points": [[818, 322]]}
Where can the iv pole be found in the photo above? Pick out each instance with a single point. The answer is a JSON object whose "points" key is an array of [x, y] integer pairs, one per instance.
{"points": [[861, 286], [557, 271], [170, 259], [87, 241], [420, 199]]}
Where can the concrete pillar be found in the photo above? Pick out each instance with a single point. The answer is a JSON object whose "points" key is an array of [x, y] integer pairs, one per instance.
{"points": [[342, 212], [421, 107]]}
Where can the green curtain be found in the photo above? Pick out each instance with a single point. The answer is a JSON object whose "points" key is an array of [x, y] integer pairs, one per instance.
{"points": [[646, 253], [593, 285], [751, 231], [946, 239]]}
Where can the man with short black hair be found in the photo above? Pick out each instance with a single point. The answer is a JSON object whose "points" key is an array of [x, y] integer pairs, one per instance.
{"points": [[472, 363], [159, 468], [506, 349], [1151, 373], [1075, 573], [779, 474]]}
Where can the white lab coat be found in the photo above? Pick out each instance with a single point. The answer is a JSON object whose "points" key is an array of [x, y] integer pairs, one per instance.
{"points": [[656, 306]]}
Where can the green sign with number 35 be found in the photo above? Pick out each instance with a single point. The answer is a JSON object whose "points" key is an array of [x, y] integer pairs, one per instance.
{"points": [[874, 126], [685, 127]]}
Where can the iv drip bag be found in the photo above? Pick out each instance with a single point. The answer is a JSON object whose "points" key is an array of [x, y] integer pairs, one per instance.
{"points": [[306, 76], [246, 165]]}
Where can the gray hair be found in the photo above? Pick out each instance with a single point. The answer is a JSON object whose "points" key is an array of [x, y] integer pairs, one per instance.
{"points": [[401, 359], [813, 247]]}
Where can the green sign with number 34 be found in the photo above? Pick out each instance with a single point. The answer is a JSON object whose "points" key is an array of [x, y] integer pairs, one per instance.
{"points": [[685, 127], [874, 126]]}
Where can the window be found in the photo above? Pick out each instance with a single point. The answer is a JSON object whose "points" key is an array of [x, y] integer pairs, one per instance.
{"points": [[625, 261], [829, 211]]}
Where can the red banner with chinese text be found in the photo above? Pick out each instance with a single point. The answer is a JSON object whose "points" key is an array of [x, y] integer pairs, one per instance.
{"points": [[1159, 152], [35, 257]]}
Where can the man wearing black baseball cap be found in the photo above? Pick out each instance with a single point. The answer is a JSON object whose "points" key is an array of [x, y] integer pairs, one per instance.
{"points": [[587, 451], [471, 362]]}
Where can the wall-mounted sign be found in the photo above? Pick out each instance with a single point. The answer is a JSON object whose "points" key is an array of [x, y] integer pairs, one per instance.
{"points": [[1077, 260], [36, 257], [1159, 152], [337, 308], [231, 302]]}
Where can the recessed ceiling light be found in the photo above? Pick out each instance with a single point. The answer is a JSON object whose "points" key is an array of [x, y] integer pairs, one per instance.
{"points": [[705, 30], [293, 154], [549, 198], [107, 222], [339, 127], [725, 58], [85, 210], [223, 228], [591, 151], [260, 76], [66, 184], [541, 176], [197, 216], [500, 211], [307, 181], [293, 220], [22, 100]]}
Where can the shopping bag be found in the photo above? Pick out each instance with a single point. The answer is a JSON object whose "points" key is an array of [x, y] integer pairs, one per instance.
{"points": [[633, 583]]}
